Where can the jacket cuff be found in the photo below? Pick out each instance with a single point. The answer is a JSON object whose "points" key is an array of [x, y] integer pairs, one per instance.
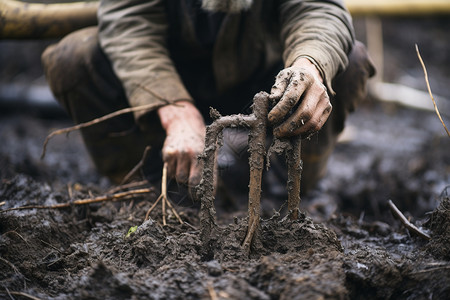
{"points": [[157, 93]]}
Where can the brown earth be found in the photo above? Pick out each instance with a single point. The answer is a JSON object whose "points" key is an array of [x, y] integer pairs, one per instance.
{"points": [[346, 244]]}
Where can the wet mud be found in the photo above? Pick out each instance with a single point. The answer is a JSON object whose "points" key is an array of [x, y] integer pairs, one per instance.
{"points": [[345, 245]]}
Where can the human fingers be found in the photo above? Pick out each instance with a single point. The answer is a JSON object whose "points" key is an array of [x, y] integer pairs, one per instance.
{"points": [[195, 173], [299, 81], [183, 167], [281, 82], [307, 119]]}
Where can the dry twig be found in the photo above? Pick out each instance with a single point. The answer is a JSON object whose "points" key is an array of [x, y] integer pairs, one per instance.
{"points": [[127, 186], [138, 166], [15, 232], [432, 269], [165, 200], [212, 292], [22, 294], [113, 197], [429, 90], [411, 227], [10, 264], [99, 120]]}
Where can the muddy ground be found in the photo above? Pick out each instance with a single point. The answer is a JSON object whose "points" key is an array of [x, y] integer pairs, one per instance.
{"points": [[346, 244]]}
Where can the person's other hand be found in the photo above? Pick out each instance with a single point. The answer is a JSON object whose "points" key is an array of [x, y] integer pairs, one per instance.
{"points": [[299, 83], [185, 138]]}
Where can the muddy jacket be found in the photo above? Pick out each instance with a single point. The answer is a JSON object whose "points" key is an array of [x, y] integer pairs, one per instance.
{"points": [[168, 50]]}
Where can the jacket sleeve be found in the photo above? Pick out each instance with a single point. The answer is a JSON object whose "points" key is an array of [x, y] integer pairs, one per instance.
{"points": [[133, 34], [321, 31]]}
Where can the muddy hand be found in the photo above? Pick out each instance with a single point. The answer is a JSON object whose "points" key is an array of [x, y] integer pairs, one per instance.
{"points": [[185, 135], [302, 102]]}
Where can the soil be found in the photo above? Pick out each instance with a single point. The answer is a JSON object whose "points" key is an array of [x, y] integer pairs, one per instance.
{"points": [[345, 245]]}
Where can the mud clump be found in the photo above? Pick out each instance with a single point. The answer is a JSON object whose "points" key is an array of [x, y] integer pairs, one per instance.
{"points": [[73, 253], [439, 224]]}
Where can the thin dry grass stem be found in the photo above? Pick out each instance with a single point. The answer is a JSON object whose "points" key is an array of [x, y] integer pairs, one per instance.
{"points": [[411, 227], [433, 269], [113, 197], [22, 294], [15, 232], [212, 292], [165, 200], [2, 203], [127, 186], [69, 191], [429, 90], [164, 193], [50, 245], [152, 207], [10, 264], [119, 112], [102, 119], [174, 211], [138, 166]]}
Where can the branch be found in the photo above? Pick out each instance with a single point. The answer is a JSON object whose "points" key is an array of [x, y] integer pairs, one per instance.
{"points": [[127, 186], [114, 197], [429, 90], [411, 227], [165, 200], [96, 121], [22, 294], [138, 166]]}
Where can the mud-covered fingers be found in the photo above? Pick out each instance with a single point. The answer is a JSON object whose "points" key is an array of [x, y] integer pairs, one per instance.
{"points": [[195, 173], [317, 121], [280, 85], [308, 118], [298, 83], [183, 167]]}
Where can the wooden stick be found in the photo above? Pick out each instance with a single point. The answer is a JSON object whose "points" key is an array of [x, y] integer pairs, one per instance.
{"points": [[432, 269], [429, 90], [114, 197], [411, 227], [212, 292], [164, 193], [138, 166], [165, 200], [174, 211], [11, 265], [127, 186], [22, 294], [95, 121], [295, 168], [152, 207]]}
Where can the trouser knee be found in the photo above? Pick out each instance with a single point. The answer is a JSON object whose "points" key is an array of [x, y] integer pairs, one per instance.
{"points": [[83, 81], [67, 63]]}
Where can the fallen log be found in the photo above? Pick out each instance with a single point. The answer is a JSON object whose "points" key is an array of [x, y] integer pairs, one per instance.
{"points": [[20, 20]]}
